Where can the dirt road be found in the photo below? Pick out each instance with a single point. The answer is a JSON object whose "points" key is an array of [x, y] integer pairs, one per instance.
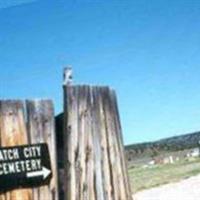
{"points": [[188, 189]]}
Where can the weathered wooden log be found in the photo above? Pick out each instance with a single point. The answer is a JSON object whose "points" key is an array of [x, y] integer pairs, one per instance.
{"points": [[41, 127], [13, 132], [29, 123], [95, 167]]}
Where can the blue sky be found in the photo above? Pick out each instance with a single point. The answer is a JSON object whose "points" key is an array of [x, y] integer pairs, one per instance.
{"points": [[148, 51]]}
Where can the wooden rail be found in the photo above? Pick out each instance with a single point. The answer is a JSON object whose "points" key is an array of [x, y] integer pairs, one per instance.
{"points": [[95, 167]]}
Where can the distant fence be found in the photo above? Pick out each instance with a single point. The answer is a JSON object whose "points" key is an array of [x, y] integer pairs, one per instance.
{"points": [[29, 122], [95, 167]]}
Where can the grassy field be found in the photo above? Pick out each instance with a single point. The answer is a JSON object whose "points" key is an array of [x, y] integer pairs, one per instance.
{"points": [[144, 178]]}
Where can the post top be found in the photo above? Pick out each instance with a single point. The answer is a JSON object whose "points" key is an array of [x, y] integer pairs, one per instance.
{"points": [[67, 75]]}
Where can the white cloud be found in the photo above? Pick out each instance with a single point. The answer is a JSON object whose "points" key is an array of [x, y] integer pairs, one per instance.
{"points": [[10, 3]]}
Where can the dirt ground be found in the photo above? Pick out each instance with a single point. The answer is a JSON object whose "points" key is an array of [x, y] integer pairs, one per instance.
{"points": [[188, 189]]}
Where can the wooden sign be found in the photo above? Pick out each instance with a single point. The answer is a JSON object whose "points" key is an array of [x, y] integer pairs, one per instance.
{"points": [[24, 166], [28, 123]]}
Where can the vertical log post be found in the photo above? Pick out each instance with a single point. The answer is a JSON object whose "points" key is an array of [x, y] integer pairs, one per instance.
{"points": [[29, 123], [40, 115], [13, 132], [95, 167]]}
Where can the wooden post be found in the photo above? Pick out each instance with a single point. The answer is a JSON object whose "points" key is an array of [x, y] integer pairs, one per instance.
{"points": [[29, 123], [13, 132], [95, 167], [40, 115]]}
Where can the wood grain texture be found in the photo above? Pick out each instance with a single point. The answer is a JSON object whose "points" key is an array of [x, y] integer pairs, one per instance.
{"points": [[40, 115], [29, 122], [13, 132], [95, 167]]}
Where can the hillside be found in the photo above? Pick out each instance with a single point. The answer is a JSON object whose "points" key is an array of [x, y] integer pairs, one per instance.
{"points": [[172, 144]]}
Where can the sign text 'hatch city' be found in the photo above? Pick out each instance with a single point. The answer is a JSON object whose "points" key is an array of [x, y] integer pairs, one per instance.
{"points": [[24, 166]]}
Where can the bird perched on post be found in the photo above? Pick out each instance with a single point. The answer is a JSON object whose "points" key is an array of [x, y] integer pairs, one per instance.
{"points": [[67, 76]]}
